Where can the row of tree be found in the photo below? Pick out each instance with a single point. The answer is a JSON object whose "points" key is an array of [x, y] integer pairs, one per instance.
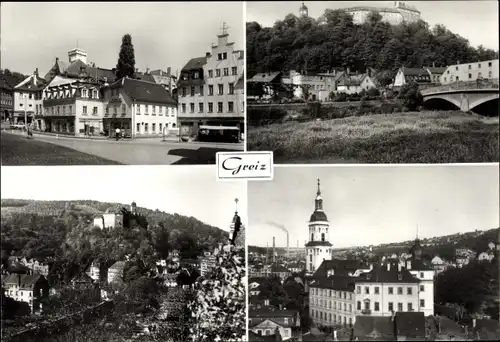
{"points": [[334, 41]]}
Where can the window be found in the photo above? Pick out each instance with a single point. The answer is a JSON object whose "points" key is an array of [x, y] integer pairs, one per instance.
{"points": [[124, 108], [367, 290], [196, 75], [191, 107], [84, 110], [377, 290], [200, 107], [410, 307], [146, 109], [210, 107], [231, 88], [210, 73], [456, 68], [409, 291], [138, 109], [183, 106], [201, 90], [217, 72], [376, 306], [422, 303], [192, 91], [84, 93], [470, 66], [479, 66], [400, 306], [490, 73], [422, 288], [234, 70], [391, 306], [94, 111], [358, 289], [470, 75], [226, 71], [358, 305], [400, 290], [367, 305], [422, 273], [210, 89], [221, 89], [183, 91], [220, 107], [391, 290], [146, 128]]}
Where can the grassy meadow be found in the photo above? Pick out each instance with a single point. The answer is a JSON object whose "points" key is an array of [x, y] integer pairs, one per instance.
{"points": [[412, 137]]}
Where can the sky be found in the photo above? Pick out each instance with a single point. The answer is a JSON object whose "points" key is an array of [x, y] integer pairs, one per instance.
{"points": [[475, 20], [185, 190], [164, 34], [370, 205]]}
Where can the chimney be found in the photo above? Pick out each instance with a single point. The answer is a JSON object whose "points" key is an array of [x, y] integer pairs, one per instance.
{"points": [[388, 266], [36, 72], [274, 247], [408, 264], [169, 71], [287, 247]]}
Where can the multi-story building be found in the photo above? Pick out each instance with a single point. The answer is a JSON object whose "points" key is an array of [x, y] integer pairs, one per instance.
{"points": [[319, 247], [28, 99], [406, 75], [207, 89], [470, 71], [207, 263], [138, 107], [27, 288], [331, 300], [435, 73], [7, 98], [264, 322], [108, 220], [312, 85], [401, 12], [354, 84]]}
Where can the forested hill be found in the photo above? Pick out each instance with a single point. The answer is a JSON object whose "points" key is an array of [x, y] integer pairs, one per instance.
{"points": [[39, 228], [334, 41]]}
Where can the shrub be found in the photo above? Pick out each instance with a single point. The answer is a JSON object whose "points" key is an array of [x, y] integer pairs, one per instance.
{"points": [[373, 92], [410, 96]]}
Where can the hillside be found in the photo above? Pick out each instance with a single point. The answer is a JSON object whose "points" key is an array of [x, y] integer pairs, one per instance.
{"points": [[39, 228], [444, 246], [332, 41]]}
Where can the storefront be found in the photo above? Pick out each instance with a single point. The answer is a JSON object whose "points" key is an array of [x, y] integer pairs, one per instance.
{"points": [[111, 124]]}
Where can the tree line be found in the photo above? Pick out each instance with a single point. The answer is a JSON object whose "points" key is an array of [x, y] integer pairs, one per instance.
{"points": [[333, 41]]}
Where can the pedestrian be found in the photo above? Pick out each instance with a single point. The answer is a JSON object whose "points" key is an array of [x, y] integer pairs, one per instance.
{"points": [[117, 133]]}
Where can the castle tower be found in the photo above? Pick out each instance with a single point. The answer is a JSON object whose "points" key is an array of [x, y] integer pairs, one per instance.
{"points": [[303, 11], [133, 208], [319, 247], [77, 53]]}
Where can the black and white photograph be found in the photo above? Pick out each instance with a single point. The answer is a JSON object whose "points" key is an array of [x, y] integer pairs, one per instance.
{"points": [[130, 83], [369, 82], [128, 254], [387, 253]]}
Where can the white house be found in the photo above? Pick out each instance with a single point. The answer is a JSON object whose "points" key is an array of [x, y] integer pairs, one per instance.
{"points": [[354, 84], [470, 71]]}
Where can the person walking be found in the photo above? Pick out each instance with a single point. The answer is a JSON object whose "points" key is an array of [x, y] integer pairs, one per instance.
{"points": [[117, 133]]}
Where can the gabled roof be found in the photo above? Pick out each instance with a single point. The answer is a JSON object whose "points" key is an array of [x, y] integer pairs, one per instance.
{"points": [[380, 274], [414, 71], [32, 82], [265, 77], [374, 328], [340, 267], [410, 324], [338, 283], [26, 281], [436, 70], [118, 266], [144, 91], [195, 63], [354, 80]]}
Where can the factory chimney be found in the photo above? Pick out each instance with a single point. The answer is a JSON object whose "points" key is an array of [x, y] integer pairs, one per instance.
{"points": [[274, 248], [267, 251], [287, 247]]}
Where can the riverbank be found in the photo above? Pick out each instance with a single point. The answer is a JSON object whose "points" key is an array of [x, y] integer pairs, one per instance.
{"points": [[413, 137]]}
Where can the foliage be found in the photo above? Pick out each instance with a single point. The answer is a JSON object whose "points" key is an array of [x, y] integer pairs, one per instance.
{"points": [[334, 41], [472, 286], [218, 310], [126, 60], [411, 96], [12, 78]]}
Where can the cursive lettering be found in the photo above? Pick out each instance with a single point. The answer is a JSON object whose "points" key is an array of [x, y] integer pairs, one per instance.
{"points": [[232, 164]]}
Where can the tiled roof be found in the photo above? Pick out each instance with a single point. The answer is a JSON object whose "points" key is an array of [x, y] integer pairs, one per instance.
{"points": [[335, 282], [144, 91], [438, 70], [265, 313], [146, 78], [340, 267], [354, 80], [414, 72], [265, 77], [195, 63], [374, 328], [419, 265], [318, 215], [410, 324], [27, 280], [82, 278], [7, 82], [380, 274]]}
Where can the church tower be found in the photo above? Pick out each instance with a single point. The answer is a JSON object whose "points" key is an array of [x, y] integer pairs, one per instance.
{"points": [[303, 12], [319, 247]]}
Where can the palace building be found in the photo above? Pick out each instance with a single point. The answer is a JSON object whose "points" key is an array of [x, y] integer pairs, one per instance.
{"points": [[401, 12]]}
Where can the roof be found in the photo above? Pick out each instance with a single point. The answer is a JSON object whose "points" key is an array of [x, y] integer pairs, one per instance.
{"points": [[414, 71], [266, 313], [380, 274], [436, 70], [26, 280], [340, 267], [318, 215], [353, 80], [7, 82], [374, 328], [82, 278], [419, 265], [410, 324], [119, 265], [144, 91], [195, 63], [32, 82], [335, 282], [276, 268], [371, 9], [318, 243], [240, 84], [265, 77], [146, 77]]}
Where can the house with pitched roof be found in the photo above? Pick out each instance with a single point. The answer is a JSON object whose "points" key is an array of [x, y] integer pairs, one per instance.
{"points": [[264, 322], [354, 84], [374, 328], [280, 271], [27, 288], [264, 85], [207, 90], [406, 75], [7, 97], [410, 326], [139, 108], [27, 97], [435, 73]]}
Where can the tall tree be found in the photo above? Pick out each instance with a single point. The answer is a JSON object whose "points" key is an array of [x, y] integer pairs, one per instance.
{"points": [[126, 59]]}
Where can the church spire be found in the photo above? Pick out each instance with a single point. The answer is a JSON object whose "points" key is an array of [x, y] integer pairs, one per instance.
{"points": [[319, 200]]}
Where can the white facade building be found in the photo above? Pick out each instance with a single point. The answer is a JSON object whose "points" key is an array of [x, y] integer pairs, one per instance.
{"points": [[471, 71], [401, 12]]}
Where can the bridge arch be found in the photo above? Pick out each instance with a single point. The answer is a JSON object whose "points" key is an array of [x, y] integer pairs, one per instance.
{"points": [[438, 103], [485, 98], [452, 99]]}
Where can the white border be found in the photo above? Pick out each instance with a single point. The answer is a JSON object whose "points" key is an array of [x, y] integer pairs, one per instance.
{"points": [[245, 82], [225, 179], [247, 274]]}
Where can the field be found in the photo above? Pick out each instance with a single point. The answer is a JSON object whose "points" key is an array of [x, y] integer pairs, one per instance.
{"points": [[413, 137]]}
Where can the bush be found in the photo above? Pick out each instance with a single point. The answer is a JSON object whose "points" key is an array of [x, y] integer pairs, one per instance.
{"points": [[374, 92], [265, 115], [410, 96]]}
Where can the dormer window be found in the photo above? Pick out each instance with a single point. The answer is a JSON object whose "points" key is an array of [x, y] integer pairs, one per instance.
{"points": [[84, 93]]}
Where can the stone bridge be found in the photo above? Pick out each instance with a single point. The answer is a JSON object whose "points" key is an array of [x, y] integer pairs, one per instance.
{"points": [[464, 95]]}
